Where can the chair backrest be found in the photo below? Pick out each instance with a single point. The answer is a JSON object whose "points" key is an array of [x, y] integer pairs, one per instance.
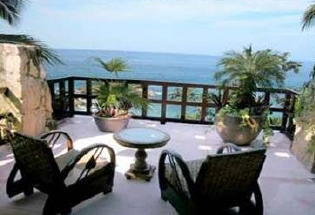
{"points": [[36, 161], [225, 178]]}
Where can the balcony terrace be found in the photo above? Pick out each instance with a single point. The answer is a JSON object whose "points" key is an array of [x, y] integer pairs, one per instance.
{"points": [[286, 185]]}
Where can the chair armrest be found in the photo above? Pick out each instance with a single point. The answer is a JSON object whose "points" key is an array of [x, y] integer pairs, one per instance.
{"points": [[53, 136], [91, 162], [229, 148], [175, 160]]}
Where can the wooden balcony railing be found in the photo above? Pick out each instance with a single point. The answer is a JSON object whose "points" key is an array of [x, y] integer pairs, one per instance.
{"points": [[169, 101]]}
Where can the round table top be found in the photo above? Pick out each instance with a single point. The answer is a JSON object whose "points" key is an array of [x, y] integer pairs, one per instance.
{"points": [[141, 138]]}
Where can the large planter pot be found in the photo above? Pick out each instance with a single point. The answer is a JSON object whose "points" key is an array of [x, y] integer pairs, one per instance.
{"points": [[301, 147], [113, 124], [231, 129]]}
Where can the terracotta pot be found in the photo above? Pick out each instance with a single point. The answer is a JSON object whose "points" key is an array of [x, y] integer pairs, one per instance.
{"points": [[113, 124], [231, 129]]}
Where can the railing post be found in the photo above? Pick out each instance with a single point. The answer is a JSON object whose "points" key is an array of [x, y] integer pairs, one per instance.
{"points": [[285, 112], [204, 104], [71, 97], [164, 101], [145, 96], [184, 103], [62, 93], [267, 98], [88, 96], [292, 126]]}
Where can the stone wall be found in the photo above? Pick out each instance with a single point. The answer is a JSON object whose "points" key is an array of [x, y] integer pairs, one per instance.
{"points": [[29, 97], [301, 147]]}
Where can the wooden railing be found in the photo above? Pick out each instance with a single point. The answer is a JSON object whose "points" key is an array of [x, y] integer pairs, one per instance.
{"points": [[170, 101]]}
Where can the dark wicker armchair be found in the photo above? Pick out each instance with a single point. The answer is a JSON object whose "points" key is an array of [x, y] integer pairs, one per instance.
{"points": [[56, 176], [214, 185]]}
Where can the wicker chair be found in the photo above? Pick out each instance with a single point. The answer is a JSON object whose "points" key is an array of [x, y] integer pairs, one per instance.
{"points": [[214, 185], [39, 169]]}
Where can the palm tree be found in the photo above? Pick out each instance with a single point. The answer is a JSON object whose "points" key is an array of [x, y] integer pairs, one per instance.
{"points": [[10, 11], [308, 17], [249, 70]]}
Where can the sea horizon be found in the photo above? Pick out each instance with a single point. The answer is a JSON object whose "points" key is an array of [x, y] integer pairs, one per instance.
{"points": [[136, 51], [167, 52], [158, 66]]}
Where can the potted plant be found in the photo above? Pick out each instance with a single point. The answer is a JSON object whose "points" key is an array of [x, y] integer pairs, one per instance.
{"points": [[115, 99], [243, 113], [7, 121], [303, 145]]}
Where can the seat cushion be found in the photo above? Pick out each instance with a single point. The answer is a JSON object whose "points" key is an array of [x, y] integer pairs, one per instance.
{"points": [[64, 159], [75, 173], [180, 184]]}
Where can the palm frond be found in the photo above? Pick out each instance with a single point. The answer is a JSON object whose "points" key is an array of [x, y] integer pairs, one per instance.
{"points": [[115, 65], [10, 10], [308, 17], [41, 54]]}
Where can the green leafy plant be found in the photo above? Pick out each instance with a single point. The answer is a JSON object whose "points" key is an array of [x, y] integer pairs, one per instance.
{"points": [[306, 99], [305, 110], [7, 121], [218, 99], [247, 71], [115, 99], [305, 105]]}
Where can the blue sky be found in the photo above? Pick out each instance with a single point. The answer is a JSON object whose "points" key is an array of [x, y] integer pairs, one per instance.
{"points": [[208, 27]]}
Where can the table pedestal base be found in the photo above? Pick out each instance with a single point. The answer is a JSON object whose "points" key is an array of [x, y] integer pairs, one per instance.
{"points": [[141, 139], [145, 174], [140, 169]]}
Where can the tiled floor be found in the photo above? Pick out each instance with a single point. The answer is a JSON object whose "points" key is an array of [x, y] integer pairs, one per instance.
{"points": [[287, 187]]}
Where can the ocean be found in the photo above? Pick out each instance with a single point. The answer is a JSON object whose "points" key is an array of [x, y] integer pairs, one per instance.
{"points": [[153, 66], [156, 66]]}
